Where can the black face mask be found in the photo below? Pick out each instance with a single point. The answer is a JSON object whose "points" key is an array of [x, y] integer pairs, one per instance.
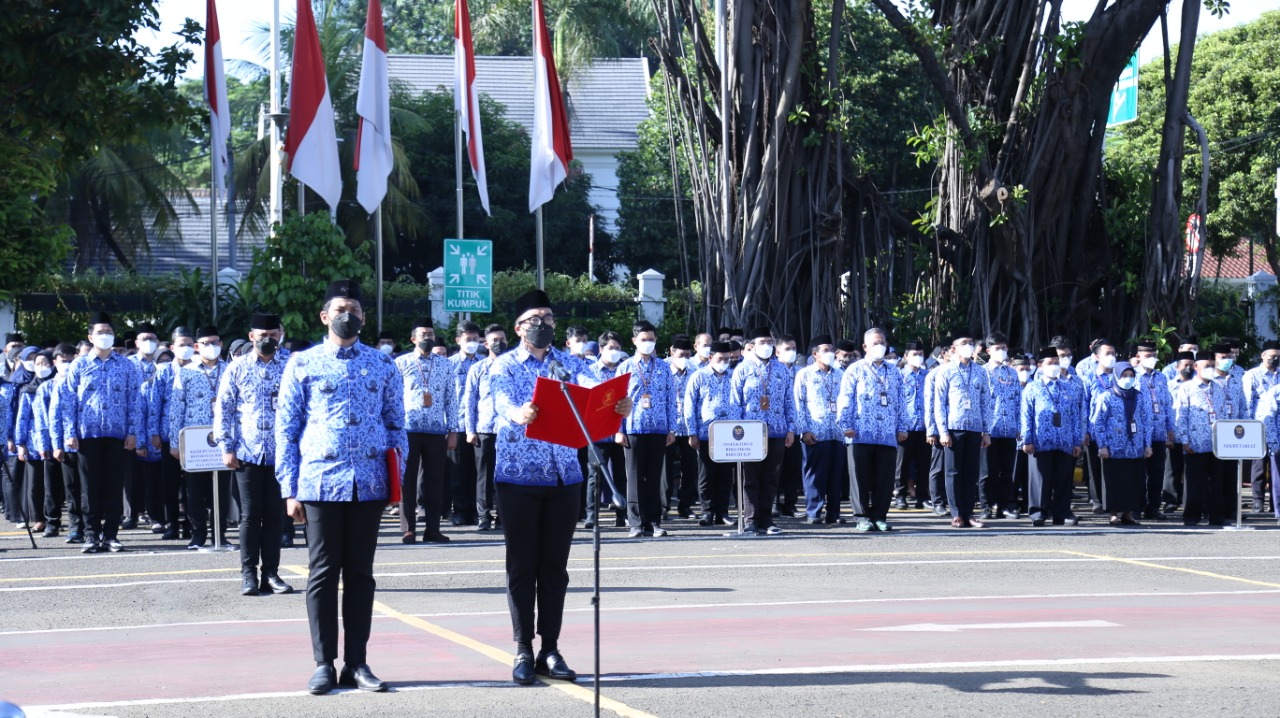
{"points": [[1271, 362], [540, 336], [497, 348], [425, 345], [346, 325], [1186, 373], [266, 346]]}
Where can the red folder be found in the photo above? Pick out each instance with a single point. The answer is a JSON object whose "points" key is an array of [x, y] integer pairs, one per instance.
{"points": [[555, 423], [393, 475]]}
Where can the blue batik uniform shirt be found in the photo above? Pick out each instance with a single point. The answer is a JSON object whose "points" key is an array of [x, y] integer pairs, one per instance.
{"points": [[1112, 427], [762, 391], [817, 397], [147, 374], [1041, 400], [422, 375], [652, 378], [1258, 381], [460, 366], [930, 400], [1237, 406], [31, 428], [707, 398], [913, 393], [1269, 414], [191, 403], [1160, 400], [963, 398], [1196, 405], [478, 415], [1006, 398], [680, 382], [340, 410], [244, 416], [519, 459], [871, 403], [100, 399]]}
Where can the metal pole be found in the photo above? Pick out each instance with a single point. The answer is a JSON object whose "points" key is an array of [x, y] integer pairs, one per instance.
{"points": [[377, 258], [1239, 494], [457, 166], [537, 240], [302, 199], [218, 546], [742, 494], [213, 240], [277, 170], [591, 248], [722, 59]]}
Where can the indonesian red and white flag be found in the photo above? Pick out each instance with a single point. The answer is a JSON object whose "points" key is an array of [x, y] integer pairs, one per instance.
{"points": [[373, 139], [551, 154], [466, 99], [312, 142], [215, 93]]}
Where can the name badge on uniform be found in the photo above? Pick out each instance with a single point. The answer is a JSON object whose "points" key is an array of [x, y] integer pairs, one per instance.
{"points": [[426, 400], [884, 399], [1213, 416], [764, 403], [1057, 419], [646, 402], [1133, 427], [1155, 408], [831, 407], [275, 401]]}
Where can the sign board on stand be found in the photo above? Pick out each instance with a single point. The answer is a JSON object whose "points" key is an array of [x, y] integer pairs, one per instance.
{"points": [[1233, 440], [737, 441], [197, 451], [468, 275]]}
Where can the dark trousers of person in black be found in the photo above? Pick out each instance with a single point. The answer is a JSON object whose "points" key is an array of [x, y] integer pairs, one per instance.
{"points": [[760, 486], [463, 464], [54, 495], [33, 490], [995, 488], [486, 452], [135, 489], [74, 490], [1093, 476], [1258, 482], [261, 509], [145, 498], [937, 476], [791, 479], [912, 477], [1049, 485], [103, 464], [1021, 481], [1210, 486], [646, 456], [615, 462], [424, 476], [1174, 475], [826, 470], [200, 503], [1153, 486], [683, 476], [341, 539], [873, 469], [1123, 485], [538, 524], [715, 483], [15, 478], [961, 461], [169, 489]]}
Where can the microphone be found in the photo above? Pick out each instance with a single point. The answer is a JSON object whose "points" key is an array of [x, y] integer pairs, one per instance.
{"points": [[557, 371]]}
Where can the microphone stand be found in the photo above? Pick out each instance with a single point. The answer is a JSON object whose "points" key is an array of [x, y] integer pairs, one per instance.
{"points": [[596, 467]]}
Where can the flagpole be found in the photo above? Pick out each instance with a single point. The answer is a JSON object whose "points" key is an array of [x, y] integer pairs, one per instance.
{"points": [[213, 233], [277, 171], [457, 166], [377, 259], [591, 248], [537, 240]]}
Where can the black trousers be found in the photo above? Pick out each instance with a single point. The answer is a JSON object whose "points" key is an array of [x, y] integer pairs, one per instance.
{"points": [[1174, 472], [341, 539], [463, 461], [646, 464], [683, 476], [715, 483], [145, 496], [1123, 485], [1049, 485], [1154, 484], [913, 467], [874, 466], [615, 462], [1258, 481], [996, 487], [103, 464], [485, 453], [760, 486], [74, 490], [34, 490], [791, 479], [1210, 486], [200, 502], [135, 488], [261, 510], [1021, 480], [961, 462], [937, 475], [424, 476], [1093, 474], [54, 495], [826, 470], [537, 525], [169, 487]]}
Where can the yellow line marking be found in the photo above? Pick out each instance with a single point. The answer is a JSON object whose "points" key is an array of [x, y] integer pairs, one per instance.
{"points": [[506, 658], [1194, 572], [120, 575]]}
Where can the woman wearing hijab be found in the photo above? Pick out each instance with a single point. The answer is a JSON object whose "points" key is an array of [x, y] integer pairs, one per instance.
{"points": [[31, 436], [1120, 423], [23, 362]]}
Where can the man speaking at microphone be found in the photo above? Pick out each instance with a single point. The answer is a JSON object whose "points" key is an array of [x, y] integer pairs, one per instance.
{"points": [[537, 490]]}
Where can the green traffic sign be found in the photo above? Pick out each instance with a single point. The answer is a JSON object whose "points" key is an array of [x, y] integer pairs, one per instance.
{"points": [[1124, 98], [468, 275]]}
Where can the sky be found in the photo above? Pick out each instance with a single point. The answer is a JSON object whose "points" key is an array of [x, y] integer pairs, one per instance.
{"points": [[239, 17]]}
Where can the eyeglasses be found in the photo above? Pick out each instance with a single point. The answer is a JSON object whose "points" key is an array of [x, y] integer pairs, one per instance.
{"points": [[540, 319]]}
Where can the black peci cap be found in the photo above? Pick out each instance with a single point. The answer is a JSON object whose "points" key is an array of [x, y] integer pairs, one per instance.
{"points": [[532, 299], [265, 322], [343, 289]]}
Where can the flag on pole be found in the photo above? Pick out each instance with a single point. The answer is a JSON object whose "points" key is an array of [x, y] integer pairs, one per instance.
{"points": [[466, 99], [312, 142], [215, 93], [373, 139], [551, 153]]}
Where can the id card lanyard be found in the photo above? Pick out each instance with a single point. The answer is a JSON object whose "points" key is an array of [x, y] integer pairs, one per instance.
{"points": [[646, 399], [427, 399], [883, 381], [763, 374]]}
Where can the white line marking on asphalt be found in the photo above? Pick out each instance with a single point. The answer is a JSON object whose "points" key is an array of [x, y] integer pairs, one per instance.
{"points": [[395, 688], [957, 627]]}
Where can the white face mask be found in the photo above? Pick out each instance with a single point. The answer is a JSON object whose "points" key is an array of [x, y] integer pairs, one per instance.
{"points": [[828, 359], [44, 372], [787, 356], [1148, 363], [964, 351], [210, 352], [719, 366], [470, 348], [148, 346], [875, 352], [104, 341], [678, 363], [1107, 362], [29, 365], [1208, 373], [915, 360], [386, 349], [646, 348], [1125, 382], [184, 353], [999, 355], [576, 348], [764, 351], [612, 356], [1065, 360], [1023, 375], [704, 352]]}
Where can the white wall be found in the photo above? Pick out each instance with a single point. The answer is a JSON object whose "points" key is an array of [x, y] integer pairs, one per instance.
{"points": [[602, 165]]}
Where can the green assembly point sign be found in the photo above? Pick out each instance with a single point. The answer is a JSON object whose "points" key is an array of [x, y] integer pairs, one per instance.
{"points": [[468, 275]]}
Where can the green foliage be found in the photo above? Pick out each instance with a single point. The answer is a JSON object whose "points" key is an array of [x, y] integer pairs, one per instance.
{"points": [[290, 273], [32, 244]]}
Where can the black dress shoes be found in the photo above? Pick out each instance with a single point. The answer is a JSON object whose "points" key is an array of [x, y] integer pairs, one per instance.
{"points": [[272, 583], [524, 673], [551, 664], [249, 583], [323, 680], [361, 677]]}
